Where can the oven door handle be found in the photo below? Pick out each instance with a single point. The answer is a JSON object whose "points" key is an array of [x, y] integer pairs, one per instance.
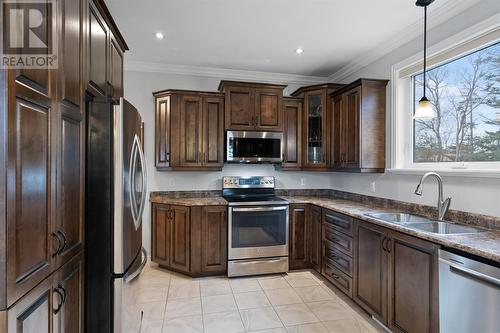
{"points": [[260, 209]]}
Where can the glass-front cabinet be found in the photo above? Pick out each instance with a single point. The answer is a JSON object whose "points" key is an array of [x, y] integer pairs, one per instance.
{"points": [[315, 122]]}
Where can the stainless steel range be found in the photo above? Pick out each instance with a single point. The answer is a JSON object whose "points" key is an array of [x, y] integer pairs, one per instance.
{"points": [[258, 226]]}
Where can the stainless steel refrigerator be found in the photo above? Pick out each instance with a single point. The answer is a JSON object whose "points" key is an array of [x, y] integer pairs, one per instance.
{"points": [[115, 200]]}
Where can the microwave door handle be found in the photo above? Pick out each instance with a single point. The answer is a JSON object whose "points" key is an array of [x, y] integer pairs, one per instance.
{"points": [[260, 209]]}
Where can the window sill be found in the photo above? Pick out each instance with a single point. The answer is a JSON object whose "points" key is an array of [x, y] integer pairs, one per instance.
{"points": [[486, 173]]}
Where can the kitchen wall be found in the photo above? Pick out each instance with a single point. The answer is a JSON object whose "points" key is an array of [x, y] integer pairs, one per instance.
{"points": [[138, 90], [478, 195]]}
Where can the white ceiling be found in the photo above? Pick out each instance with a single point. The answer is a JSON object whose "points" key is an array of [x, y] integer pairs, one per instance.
{"points": [[262, 35]]}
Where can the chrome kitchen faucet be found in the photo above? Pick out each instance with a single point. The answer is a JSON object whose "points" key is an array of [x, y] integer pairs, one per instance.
{"points": [[442, 205]]}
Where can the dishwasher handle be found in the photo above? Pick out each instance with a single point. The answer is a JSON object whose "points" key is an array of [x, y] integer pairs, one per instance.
{"points": [[458, 269]]}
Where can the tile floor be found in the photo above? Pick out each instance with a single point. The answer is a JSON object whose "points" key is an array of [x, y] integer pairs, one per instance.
{"points": [[298, 302]]}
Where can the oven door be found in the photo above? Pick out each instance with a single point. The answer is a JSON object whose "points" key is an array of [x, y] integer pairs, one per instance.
{"points": [[254, 147], [258, 231]]}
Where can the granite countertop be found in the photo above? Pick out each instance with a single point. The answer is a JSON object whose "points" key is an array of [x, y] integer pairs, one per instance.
{"points": [[484, 244], [190, 201]]}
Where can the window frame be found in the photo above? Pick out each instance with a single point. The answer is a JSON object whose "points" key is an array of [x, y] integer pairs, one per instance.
{"points": [[403, 97]]}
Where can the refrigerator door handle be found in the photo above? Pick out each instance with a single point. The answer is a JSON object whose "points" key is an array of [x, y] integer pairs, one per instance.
{"points": [[137, 210]]}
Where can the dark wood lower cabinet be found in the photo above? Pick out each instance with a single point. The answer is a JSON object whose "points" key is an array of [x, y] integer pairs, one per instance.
{"points": [[299, 237], [315, 237], [53, 306], [190, 240], [396, 279], [413, 285], [370, 270]]}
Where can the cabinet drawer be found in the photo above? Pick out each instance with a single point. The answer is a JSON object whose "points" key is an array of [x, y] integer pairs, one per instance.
{"points": [[338, 278], [340, 222], [338, 240], [338, 259]]}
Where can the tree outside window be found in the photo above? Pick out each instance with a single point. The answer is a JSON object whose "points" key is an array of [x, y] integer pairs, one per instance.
{"points": [[465, 94]]}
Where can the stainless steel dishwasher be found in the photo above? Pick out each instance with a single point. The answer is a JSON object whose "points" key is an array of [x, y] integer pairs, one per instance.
{"points": [[469, 294]]}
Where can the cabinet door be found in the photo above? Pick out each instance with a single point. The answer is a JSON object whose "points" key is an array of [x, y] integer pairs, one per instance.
{"points": [[190, 141], [315, 237], [292, 116], [370, 270], [98, 51], [180, 238], [239, 110], [213, 131], [71, 184], [214, 239], [351, 110], [68, 298], [33, 312], [268, 109], [413, 285], [336, 132], [315, 141], [162, 133], [160, 235], [30, 212], [299, 233], [115, 75]]}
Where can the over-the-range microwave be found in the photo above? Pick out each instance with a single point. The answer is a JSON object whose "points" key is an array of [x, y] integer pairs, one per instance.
{"points": [[254, 147]]}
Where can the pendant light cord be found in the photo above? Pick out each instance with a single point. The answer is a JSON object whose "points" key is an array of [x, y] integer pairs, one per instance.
{"points": [[425, 45]]}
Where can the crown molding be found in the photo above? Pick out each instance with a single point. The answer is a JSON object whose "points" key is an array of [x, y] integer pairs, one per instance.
{"points": [[437, 16], [222, 73]]}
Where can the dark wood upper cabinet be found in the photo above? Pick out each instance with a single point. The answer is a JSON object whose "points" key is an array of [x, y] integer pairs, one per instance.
{"points": [[98, 50], [189, 130], [370, 270], [292, 133], [315, 237], [315, 140], [115, 69], [252, 106], [413, 285], [105, 49], [213, 132], [299, 236], [358, 127]]}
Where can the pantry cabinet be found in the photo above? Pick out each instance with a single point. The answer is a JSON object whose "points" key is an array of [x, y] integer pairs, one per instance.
{"points": [[189, 130], [252, 106], [357, 122]]}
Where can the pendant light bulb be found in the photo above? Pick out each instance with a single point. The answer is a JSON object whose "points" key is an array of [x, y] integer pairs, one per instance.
{"points": [[424, 110]]}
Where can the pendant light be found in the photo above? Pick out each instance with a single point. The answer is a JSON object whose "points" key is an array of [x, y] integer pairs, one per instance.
{"points": [[424, 109]]}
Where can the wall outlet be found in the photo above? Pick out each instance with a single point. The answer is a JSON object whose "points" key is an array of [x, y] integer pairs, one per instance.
{"points": [[171, 182], [303, 181], [373, 188]]}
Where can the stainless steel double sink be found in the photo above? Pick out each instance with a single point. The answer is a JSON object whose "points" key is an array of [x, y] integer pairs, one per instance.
{"points": [[424, 224]]}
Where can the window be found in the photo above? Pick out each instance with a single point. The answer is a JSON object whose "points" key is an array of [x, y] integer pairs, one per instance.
{"points": [[463, 84], [465, 94]]}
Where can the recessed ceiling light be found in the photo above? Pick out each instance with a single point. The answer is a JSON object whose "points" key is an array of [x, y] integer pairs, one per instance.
{"points": [[299, 51], [159, 35]]}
